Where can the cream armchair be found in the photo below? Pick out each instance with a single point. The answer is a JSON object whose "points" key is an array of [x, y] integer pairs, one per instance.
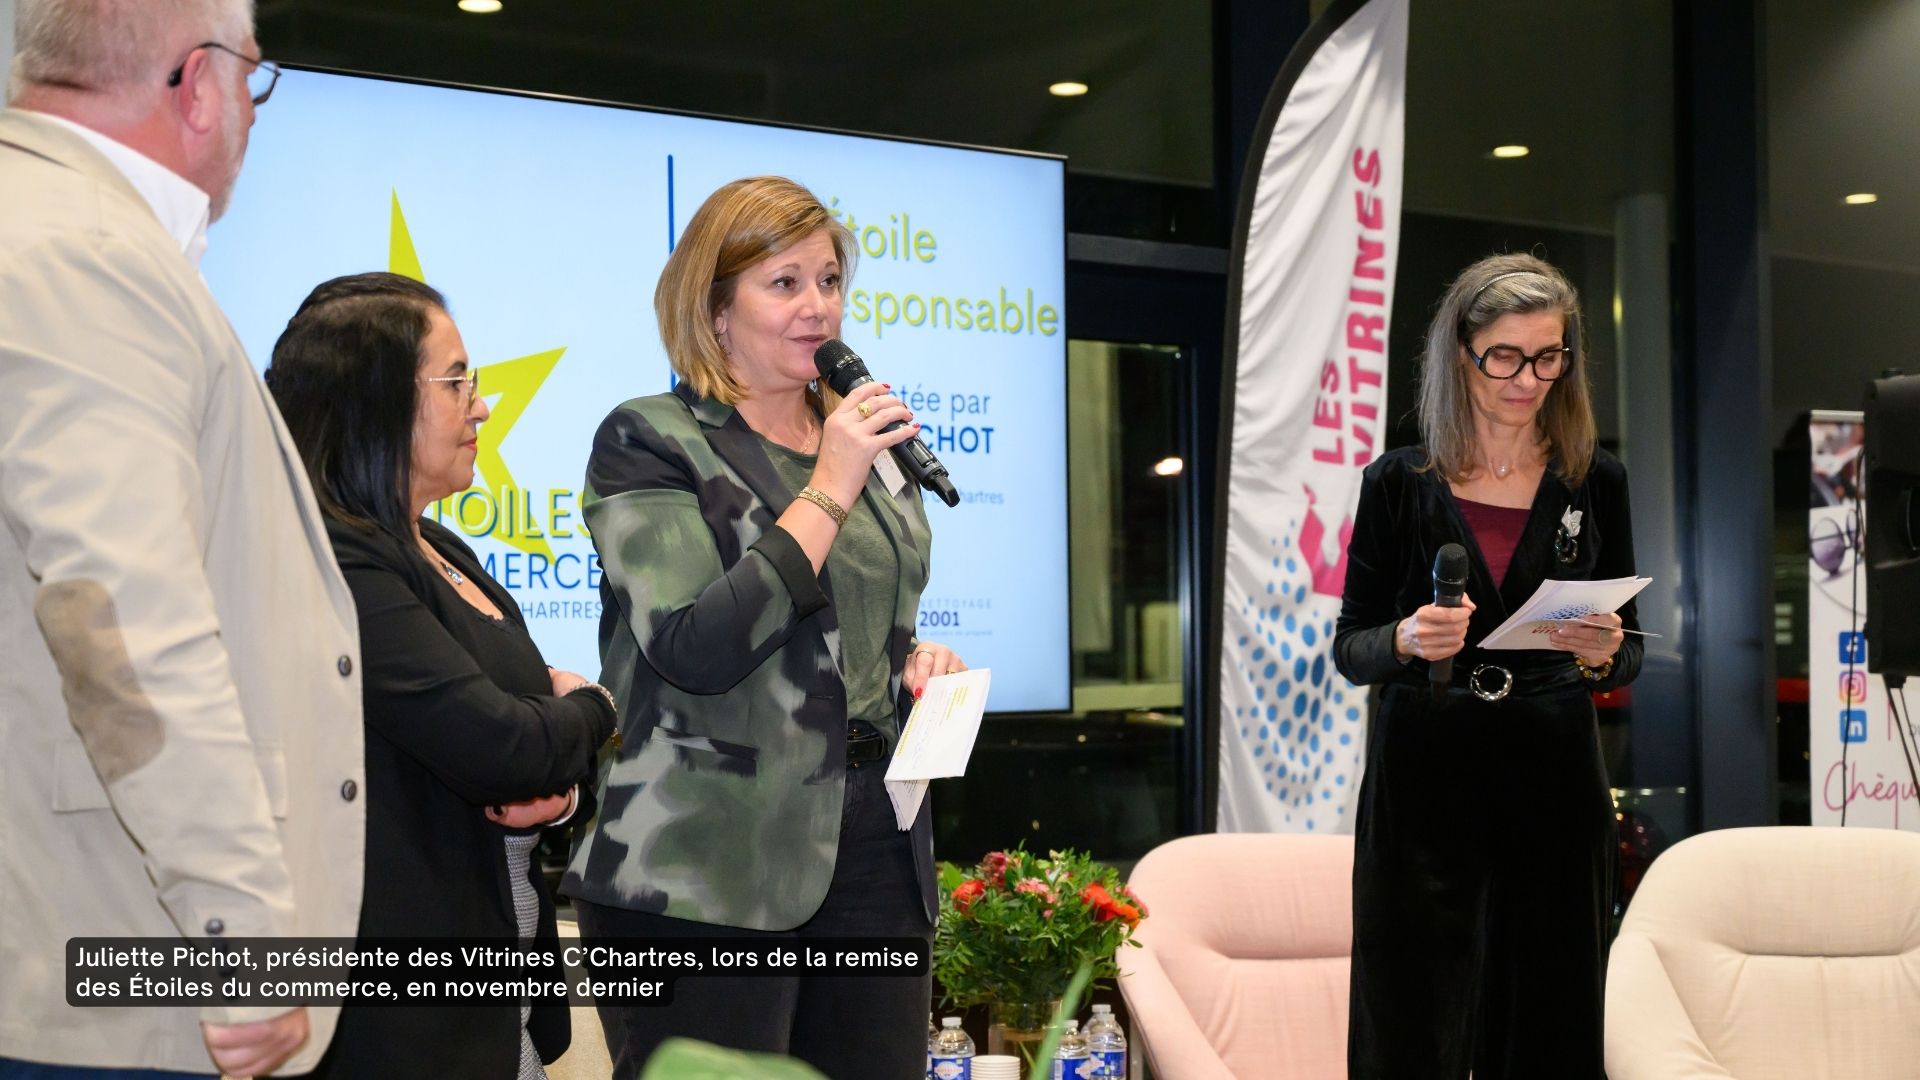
{"points": [[1771, 954], [1245, 955]]}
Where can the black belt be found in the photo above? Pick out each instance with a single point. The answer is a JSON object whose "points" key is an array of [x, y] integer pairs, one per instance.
{"points": [[864, 744], [1493, 675]]}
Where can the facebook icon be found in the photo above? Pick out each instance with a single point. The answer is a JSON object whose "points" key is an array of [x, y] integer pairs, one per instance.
{"points": [[1853, 647], [1853, 725]]}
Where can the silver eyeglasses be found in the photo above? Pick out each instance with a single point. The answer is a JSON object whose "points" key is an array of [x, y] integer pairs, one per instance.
{"points": [[471, 379]]}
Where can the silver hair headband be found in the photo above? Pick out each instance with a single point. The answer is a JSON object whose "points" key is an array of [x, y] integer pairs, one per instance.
{"points": [[1471, 300]]}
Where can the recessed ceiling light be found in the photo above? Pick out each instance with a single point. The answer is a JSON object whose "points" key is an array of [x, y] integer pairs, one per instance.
{"points": [[1862, 198], [480, 7], [1511, 150], [1067, 89]]}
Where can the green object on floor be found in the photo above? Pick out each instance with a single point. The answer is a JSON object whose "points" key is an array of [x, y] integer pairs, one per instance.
{"points": [[688, 1059], [1042, 1065]]}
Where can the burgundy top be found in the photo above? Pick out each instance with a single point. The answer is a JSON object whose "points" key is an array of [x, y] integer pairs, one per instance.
{"points": [[1497, 530]]}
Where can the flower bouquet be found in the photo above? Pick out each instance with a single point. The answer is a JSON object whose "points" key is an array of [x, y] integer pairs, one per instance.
{"points": [[1015, 928]]}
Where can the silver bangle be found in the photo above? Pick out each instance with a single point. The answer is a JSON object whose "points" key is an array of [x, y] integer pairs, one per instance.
{"points": [[573, 807]]}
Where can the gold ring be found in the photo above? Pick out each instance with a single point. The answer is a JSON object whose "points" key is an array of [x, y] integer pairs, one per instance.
{"points": [[865, 410]]}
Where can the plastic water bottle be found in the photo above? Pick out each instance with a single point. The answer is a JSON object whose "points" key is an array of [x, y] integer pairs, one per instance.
{"points": [[1106, 1044], [1071, 1062], [952, 1052], [931, 1035]]}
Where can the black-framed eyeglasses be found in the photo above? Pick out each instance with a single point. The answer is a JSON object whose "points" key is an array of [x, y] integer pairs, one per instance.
{"points": [[1830, 540], [262, 77], [471, 381], [1505, 362]]}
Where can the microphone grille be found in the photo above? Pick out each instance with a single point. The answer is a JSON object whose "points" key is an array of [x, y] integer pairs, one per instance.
{"points": [[833, 356], [1450, 564]]}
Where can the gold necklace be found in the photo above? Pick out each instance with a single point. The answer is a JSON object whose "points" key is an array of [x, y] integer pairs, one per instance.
{"points": [[815, 428]]}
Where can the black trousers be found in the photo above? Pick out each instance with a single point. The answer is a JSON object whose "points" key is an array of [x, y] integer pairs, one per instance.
{"points": [[848, 1028], [1482, 890]]}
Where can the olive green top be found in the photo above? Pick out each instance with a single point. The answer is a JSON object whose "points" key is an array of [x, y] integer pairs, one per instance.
{"points": [[866, 574]]}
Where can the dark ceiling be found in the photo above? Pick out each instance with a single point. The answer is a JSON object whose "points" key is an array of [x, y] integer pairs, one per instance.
{"points": [[1588, 84], [1840, 76], [974, 73]]}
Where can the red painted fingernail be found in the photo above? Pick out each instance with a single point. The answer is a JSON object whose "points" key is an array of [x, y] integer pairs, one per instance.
{"points": [[917, 693]]}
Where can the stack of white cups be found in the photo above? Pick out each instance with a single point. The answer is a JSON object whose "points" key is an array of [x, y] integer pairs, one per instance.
{"points": [[996, 1067]]}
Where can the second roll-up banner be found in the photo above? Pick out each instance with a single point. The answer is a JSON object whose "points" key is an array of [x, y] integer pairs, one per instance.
{"points": [[546, 223]]}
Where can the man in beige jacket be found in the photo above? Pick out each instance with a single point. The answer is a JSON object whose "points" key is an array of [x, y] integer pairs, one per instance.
{"points": [[179, 689]]}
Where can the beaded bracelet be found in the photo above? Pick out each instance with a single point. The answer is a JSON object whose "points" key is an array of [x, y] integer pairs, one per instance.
{"points": [[1594, 674], [825, 502]]}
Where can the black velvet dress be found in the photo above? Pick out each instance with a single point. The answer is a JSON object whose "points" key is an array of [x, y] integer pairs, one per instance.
{"points": [[1484, 843]]}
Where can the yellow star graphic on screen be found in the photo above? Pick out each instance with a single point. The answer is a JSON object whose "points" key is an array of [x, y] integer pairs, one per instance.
{"points": [[511, 385]]}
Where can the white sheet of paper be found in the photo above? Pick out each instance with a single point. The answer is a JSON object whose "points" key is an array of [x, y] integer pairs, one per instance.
{"points": [[1556, 602], [938, 739]]}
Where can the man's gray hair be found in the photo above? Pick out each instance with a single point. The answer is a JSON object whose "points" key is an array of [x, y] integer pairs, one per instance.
{"points": [[106, 45]]}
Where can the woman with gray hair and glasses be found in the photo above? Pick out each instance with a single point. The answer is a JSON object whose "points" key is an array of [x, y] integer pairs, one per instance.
{"points": [[1480, 938]]}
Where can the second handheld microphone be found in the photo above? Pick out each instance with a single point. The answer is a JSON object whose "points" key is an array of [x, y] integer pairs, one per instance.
{"points": [[843, 369]]}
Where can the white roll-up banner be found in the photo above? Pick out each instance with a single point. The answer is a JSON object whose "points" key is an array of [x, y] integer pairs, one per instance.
{"points": [[1861, 755], [1304, 411]]}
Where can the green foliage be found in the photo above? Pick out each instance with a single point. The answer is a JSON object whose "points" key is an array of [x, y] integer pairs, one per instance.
{"points": [[1017, 927]]}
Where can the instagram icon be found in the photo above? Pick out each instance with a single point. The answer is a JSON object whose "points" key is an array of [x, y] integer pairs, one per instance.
{"points": [[1853, 687]]}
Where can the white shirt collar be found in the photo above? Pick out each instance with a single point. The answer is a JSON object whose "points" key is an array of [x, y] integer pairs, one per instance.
{"points": [[179, 204]]}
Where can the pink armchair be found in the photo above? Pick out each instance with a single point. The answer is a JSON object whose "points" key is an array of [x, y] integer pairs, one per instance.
{"points": [[1785, 953], [1245, 955]]}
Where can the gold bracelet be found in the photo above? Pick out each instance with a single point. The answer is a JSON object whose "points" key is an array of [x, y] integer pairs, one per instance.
{"points": [[1594, 674], [588, 684], [825, 502]]}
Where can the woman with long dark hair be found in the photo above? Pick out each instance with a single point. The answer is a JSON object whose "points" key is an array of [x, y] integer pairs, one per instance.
{"points": [[473, 743]]}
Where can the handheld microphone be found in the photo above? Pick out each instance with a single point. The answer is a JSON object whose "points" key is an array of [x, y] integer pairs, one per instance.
{"points": [[1449, 586], [843, 369]]}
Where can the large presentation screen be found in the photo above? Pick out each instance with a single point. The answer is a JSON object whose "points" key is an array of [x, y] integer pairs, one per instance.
{"points": [[546, 223]]}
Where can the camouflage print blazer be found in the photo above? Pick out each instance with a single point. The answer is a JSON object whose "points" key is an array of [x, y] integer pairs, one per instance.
{"points": [[722, 646]]}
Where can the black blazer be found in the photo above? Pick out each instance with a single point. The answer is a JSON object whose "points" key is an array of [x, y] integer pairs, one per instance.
{"points": [[1406, 515], [444, 739]]}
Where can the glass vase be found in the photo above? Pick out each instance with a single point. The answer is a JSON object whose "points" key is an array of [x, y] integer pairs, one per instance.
{"points": [[1019, 1027]]}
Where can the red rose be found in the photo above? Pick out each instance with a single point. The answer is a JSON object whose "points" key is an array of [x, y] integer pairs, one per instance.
{"points": [[1096, 896], [966, 893]]}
